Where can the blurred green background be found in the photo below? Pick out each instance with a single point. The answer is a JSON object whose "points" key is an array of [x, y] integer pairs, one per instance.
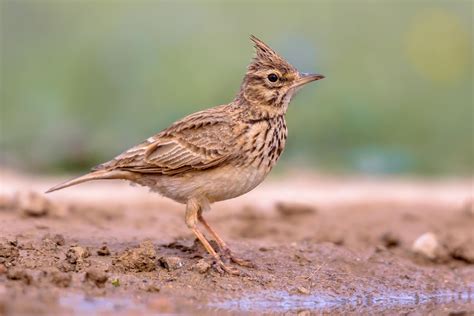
{"points": [[82, 81]]}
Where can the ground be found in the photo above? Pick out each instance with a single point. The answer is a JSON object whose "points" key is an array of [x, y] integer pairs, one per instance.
{"points": [[320, 245]]}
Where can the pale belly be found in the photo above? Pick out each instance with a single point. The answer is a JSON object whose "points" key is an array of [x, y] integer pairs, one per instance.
{"points": [[216, 184]]}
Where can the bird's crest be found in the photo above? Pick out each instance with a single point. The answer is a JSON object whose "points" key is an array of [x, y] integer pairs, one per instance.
{"points": [[266, 56], [264, 51]]}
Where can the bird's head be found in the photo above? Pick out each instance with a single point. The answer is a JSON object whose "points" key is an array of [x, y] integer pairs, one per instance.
{"points": [[270, 80]]}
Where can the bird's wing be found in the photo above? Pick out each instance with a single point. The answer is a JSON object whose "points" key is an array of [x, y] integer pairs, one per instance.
{"points": [[200, 141]]}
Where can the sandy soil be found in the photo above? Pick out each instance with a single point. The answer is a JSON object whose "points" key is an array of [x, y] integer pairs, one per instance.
{"points": [[320, 245]]}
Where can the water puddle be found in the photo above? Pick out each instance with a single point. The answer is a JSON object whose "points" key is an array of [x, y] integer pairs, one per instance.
{"points": [[83, 305], [281, 301]]}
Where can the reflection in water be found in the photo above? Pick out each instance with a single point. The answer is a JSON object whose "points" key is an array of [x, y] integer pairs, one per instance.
{"points": [[281, 301], [83, 305]]}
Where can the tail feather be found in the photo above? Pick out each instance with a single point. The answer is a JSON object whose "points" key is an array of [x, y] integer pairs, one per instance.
{"points": [[95, 175]]}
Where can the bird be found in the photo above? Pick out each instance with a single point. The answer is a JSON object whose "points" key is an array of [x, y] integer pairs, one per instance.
{"points": [[216, 154]]}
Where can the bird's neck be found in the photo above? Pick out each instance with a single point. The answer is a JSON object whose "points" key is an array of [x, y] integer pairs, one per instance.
{"points": [[258, 110]]}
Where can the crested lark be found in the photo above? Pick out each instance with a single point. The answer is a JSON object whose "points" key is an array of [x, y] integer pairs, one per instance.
{"points": [[216, 154]]}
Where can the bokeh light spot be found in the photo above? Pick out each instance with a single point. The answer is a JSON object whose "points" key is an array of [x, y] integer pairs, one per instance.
{"points": [[437, 45]]}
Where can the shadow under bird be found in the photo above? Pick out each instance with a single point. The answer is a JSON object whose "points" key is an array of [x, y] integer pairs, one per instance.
{"points": [[216, 154]]}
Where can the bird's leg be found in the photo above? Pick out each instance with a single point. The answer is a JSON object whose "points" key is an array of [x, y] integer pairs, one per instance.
{"points": [[192, 209], [222, 245]]}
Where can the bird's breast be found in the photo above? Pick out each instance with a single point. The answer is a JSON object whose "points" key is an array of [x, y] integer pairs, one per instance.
{"points": [[258, 150], [264, 143]]}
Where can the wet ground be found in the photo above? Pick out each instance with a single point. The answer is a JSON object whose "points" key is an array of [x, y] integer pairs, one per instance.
{"points": [[320, 245]]}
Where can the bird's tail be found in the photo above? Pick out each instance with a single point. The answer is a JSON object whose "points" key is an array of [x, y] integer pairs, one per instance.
{"points": [[95, 175]]}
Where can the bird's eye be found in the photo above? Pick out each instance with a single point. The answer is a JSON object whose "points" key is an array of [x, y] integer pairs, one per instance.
{"points": [[272, 77]]}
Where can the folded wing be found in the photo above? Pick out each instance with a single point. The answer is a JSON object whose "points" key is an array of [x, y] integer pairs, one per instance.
{"points": [[200, 141]]}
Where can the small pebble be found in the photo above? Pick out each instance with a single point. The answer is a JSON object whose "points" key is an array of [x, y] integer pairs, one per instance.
{"points": [[32, 204], [426, 245], [52, 242], [390, 240], [202, 266], [139, 259], [103, 251], [76, 254], [59, 240], [96, 276], [171, 263]]}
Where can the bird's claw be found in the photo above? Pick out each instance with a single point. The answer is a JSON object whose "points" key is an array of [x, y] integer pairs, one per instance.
{"points": [[241, 262], [222, 268]]}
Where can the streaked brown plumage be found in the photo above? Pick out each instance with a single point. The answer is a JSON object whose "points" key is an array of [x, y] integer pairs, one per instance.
{"points": [[219, 153]]}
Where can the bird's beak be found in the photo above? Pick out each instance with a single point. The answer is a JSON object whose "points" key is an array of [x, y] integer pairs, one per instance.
{"points": [[305, 78]]}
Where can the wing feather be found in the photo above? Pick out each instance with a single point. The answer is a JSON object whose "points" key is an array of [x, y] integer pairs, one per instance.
{"points": [[200, 141]]}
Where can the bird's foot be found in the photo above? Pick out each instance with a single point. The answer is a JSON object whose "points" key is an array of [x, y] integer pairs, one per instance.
{"points": [[242, 262], [222, 268], [227, 253]]}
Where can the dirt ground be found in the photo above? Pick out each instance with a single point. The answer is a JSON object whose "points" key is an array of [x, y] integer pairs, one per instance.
{"points": [[320, 245]]}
